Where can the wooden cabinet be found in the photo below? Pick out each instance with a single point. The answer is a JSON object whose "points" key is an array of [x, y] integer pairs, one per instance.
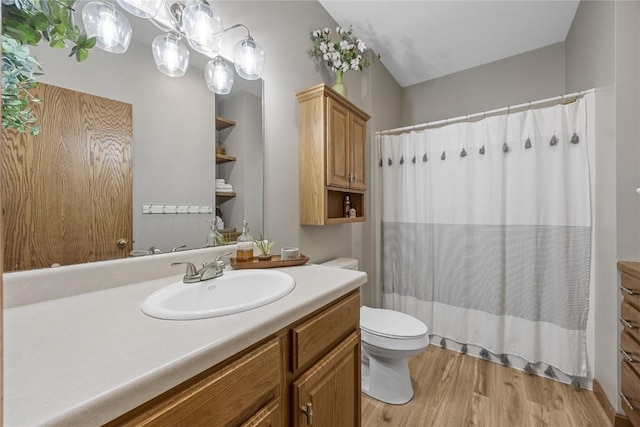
{"points": [[313, 363], [328, 393], [630, 340], [332, 141]]}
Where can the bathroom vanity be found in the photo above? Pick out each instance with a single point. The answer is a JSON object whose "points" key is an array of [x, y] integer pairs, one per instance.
{"points": [[95, 358]]}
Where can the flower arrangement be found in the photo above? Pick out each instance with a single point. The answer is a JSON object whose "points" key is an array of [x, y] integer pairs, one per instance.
{"points": [[339, 56]]}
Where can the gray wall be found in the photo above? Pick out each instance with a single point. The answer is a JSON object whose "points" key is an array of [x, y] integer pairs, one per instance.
{"points": [[243, 141], [173, 135], [603, 51], [530, 76]]}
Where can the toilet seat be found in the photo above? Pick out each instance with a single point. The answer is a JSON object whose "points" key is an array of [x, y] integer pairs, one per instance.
{"points": [[391, 324]]}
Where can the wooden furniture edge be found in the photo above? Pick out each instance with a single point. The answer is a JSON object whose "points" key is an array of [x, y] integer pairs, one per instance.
{"points": [[326, 90], [630, 267], [616, 419]]}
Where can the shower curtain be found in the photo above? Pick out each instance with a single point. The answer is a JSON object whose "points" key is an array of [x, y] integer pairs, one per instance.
{"points": [[486, 232]]}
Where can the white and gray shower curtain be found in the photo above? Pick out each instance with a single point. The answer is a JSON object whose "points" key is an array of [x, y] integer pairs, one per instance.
{"points": [[486, 232]]}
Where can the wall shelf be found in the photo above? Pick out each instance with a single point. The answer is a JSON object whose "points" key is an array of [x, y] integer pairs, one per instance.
{"points": [[223, 196], [223, 158], [222, 123]]}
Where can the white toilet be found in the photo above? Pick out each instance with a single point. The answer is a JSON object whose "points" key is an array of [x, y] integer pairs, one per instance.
{"points": [[388, 338]]}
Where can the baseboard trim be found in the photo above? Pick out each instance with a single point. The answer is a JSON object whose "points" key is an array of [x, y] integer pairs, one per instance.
{"points": [[617, 420]]}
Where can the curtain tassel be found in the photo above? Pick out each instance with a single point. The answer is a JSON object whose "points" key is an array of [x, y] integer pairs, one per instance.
{"points": [[485, 354], [464, 349], [529, 369], [443, 343], [575, 383], [549, 372], [505, 360]]}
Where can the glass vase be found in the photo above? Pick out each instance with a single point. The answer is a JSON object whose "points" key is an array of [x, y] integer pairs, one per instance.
{"points": [[339, 86]]}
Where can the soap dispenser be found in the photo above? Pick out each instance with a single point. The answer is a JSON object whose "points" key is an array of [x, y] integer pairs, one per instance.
{"points": [[214, 238], [244, 253]]}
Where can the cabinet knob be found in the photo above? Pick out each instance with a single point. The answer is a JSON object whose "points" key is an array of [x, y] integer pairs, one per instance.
{"points": [[624, 398], [627, 356], [626, 323], [628, 291], [308, 411], [122, 243]]}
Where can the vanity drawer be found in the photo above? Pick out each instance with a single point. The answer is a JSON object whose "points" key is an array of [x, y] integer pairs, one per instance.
{"points": [[630, 318], [630, 393], [630, 287], [630, 350], [315, 337], [245, 391]]}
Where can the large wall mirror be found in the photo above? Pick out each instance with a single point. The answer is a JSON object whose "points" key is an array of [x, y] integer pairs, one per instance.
{"points": [[173, 153]]}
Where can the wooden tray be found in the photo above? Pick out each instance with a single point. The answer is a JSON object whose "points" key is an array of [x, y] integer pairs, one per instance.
{"points": [[274, 263]]}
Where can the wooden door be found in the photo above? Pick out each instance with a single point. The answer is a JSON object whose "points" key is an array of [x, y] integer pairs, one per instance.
{"points": [[357, 141], [337, 144], [68, 191], [329, 391]]}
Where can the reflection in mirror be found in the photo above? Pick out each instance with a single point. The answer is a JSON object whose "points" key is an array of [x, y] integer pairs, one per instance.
{"points": [[172, 151]]}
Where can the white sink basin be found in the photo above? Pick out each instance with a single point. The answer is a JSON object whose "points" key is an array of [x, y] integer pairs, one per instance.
{"points": [[233, 292]]}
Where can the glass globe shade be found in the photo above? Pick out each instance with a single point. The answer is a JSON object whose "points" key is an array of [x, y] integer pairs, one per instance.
{"points": [[141, 8], [203, 27], [170, 55], [249, 59], [110, 27], [218, 74]]}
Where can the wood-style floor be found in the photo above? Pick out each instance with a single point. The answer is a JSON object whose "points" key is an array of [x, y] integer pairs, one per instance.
{"points": [[455, 390]]}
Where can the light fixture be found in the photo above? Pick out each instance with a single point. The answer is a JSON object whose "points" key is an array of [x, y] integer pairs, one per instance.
{"points": [[195, 21], [108, 25], [218, 74], [170, 55]]}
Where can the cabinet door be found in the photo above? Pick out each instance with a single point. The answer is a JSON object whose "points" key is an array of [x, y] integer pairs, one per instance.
{"points": [[337, 144], [357, 137], [328, 394]]}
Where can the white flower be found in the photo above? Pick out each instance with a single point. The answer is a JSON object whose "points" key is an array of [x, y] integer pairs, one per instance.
{"points": [[323, 47], [344, 44], [316, 33], [354, 66], [335, 56], [345, 67], [337, 63], [361, 46], [326, 31], [332, 47], [333, 69], [338, 30], [325, 56]]}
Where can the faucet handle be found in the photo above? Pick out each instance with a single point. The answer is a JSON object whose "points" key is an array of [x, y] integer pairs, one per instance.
{"points": [[191, 274], [219, 257]]}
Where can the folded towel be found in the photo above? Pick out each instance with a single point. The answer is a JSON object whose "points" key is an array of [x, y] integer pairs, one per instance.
{"points": [[220, 180], [224, 186], [224, 190]]}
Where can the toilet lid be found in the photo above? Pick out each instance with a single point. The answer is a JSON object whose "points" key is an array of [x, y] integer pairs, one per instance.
{"points": [[391, 324]]}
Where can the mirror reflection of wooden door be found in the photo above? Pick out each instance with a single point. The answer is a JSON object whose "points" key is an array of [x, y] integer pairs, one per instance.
{"points": [[67, 192]]}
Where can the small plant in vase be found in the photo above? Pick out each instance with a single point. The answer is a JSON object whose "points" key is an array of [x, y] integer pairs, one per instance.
{"points": [[339, 56], [264, 245]]}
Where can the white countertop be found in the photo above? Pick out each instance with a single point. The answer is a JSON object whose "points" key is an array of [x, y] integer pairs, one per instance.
{"points": [[86, 359]]}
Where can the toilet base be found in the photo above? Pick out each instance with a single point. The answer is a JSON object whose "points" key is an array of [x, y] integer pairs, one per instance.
{"points": [[386, 379]]}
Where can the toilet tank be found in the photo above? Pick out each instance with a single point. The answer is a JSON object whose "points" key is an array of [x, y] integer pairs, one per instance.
{"points": [[346, 263]]}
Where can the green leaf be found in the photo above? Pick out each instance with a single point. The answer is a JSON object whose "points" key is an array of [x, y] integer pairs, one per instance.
{"points": [[82, 54], [57, 44], [91, 42]]}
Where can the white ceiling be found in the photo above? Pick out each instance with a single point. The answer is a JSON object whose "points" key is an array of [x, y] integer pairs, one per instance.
{"points": [[422, 40]]}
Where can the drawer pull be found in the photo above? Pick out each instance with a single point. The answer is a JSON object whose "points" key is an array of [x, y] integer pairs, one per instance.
{"points": [[627, 357], [626, 323], [626, 401], [308, 411], [628, 291]]}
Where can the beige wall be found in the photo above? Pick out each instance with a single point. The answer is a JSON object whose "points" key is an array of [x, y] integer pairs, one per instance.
{"points": [[530, 76]]}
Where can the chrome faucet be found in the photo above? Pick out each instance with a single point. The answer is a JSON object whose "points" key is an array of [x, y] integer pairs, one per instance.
{"points": [[209, 271]]}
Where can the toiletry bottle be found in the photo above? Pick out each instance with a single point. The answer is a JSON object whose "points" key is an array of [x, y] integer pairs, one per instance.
{"points": [[214, 238], [347, 206], [245, 244]]}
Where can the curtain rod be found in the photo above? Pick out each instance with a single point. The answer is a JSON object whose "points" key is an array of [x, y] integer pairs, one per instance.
{"points": [[572, 97]]}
